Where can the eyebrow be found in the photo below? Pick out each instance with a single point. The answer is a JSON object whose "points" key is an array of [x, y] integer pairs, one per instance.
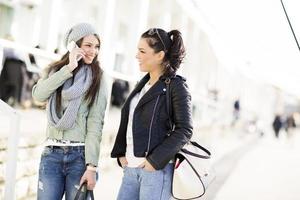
{"points": [[90, 43]]}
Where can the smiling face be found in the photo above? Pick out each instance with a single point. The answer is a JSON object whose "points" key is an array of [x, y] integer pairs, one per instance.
{"points": [[90, 45], [149, 61]]}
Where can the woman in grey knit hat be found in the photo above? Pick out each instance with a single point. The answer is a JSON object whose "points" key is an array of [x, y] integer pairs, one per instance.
{"points": [[76, 94]]}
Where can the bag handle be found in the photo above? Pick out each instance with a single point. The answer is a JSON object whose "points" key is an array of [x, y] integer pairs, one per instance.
{"points": [[81, 190], [197, 155]]}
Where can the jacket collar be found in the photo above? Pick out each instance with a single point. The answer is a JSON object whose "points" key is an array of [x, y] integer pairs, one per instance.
{"points": [[158, 88], [164, 77]]}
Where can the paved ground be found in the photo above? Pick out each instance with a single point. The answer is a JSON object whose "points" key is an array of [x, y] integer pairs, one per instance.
{"points": [[269, 171], [256, 169], [247, 167]]}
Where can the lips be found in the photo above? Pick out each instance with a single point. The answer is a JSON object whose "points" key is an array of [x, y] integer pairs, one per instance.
{"points": [[90, 57]]}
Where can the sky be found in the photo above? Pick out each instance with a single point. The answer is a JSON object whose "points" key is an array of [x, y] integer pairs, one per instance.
{"points": [[258, 34]]}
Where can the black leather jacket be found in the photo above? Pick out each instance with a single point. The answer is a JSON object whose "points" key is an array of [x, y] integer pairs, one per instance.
{"points": [[151, 128]]}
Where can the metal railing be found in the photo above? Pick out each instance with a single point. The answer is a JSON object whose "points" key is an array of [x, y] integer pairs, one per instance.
{"points": [[12, 150]]}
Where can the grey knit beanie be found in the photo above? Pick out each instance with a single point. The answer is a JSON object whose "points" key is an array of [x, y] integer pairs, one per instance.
{"points": [[77, 32]]}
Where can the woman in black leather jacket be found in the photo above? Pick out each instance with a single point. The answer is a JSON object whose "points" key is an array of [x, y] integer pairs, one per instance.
{"points": [[146, 143]]}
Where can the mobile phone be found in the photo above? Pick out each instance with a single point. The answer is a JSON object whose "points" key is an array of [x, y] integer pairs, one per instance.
{"points": [[71, 46]]}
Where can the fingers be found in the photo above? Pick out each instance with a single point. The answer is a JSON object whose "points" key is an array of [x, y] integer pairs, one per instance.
{"points": [[90, 178], [91, 184], [77, 51], [123, 161], [76, 54], [82, 180], [142, 165], [80, 54], [124, 164], [148, 167]]}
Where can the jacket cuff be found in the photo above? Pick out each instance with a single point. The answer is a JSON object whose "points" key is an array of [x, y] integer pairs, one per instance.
{"points": [[66, 72], [119, 163], [156, 166]]}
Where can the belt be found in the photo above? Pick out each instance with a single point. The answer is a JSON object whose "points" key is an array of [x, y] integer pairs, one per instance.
{"points": [[66, 148], [56, 142], [65, 141]]}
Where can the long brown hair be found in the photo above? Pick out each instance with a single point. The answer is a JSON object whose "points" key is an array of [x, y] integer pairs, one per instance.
{"points": [[96, 76]]}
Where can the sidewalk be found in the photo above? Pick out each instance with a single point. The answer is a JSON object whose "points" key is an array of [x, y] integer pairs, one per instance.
{"points": [[270, 171]]}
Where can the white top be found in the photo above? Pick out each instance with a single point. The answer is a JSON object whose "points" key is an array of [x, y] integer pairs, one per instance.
{"points": [[132, 160]]}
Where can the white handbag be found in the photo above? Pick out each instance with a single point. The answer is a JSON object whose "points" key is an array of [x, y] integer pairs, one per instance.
{"points": [[192, 173]]}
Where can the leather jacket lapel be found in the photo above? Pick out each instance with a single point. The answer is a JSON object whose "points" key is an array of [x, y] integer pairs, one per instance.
{"points": [[137, 89], [157, 89]]}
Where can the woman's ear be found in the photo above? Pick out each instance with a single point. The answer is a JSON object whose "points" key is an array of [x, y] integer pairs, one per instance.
{"points": [[161, 55]]}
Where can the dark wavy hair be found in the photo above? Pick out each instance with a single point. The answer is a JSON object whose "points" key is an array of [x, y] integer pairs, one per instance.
{"points": [[96, 76], [169, 42]]}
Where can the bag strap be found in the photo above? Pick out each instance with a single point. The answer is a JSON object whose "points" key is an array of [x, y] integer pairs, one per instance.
{"points": [[168, 97], [91, 194], [80, 190], [197, 155]]}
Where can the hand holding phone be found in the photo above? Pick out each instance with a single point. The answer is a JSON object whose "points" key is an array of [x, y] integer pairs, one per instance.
{"points": [[75, 55], [72, 45]]}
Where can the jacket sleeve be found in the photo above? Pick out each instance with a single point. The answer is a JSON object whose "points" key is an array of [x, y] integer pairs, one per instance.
{"points": [[182, 118], [95, 122], [48, 84]]}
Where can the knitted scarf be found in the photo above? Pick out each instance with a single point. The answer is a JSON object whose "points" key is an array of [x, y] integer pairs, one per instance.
{"points": [[71, 95]]}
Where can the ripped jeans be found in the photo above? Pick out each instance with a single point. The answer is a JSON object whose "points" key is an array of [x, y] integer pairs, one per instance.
{"points": [[60, 171]]}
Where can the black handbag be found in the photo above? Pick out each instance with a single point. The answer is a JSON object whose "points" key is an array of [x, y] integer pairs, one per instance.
{"points": [[192, 173], [83, 193]]}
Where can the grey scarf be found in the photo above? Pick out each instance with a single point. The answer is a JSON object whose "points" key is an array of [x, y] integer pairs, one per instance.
{"points": [[71, 95]]}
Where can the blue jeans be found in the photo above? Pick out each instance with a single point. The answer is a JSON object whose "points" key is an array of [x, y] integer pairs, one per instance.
{"points": [[138, 184], [60, 171]]}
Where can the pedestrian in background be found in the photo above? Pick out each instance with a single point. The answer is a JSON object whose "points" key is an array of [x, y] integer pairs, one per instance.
{"points": [[76, 94], [277, 124], [236, 112], [146, 143], [290, 125]]}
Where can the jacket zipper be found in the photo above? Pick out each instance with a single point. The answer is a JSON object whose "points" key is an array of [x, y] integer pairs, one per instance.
{"points": [[150, 129]]}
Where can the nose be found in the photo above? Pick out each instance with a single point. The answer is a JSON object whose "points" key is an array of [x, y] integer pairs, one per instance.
{"points": [[137, 56]]}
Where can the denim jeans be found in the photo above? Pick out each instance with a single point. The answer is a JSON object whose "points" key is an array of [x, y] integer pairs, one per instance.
{"points": [[139, 184], [60, 171]]}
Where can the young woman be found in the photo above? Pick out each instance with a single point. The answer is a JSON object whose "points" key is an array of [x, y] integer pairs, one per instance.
{"points": [[76, 95], [145, 146]]}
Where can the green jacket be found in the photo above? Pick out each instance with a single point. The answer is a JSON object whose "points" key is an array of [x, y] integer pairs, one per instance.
{"points": [[89, 122]]}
